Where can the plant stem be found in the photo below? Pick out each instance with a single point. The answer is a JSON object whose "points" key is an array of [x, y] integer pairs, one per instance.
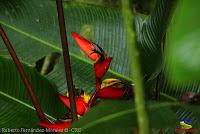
{"points": [[66, 58], [158, 80], [25, 79], [135, 66], [162, 131], [93, 98]]}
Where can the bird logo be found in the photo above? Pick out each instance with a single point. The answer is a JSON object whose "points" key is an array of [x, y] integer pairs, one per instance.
{"points": [[185, 125]]}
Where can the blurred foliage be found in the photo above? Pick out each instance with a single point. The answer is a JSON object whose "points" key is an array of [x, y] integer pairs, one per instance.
{"points": [[183, 39], [144, 6], [105, 3], [141, 6]]}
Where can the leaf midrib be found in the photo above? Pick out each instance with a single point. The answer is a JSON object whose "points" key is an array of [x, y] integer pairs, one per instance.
{"points": [[57, 48], [71, 54], [122, 113], [23, 103]]}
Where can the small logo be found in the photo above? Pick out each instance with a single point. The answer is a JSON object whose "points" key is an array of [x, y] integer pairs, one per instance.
{"points": [[185, 126]]}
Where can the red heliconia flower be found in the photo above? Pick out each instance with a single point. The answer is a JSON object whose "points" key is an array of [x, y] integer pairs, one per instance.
{"points": [[57, 127], [102, 62], [101, 67], [87, 47], [114, 93], [114, 89], [98, 84], [81, 104]]}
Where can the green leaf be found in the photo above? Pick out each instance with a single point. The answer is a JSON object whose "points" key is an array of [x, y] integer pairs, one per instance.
{"points": [[151, 37], [193, 111], [182, 63], [33, 30], [184, 51], [119, 116], [173, 91], [183, 114], [16, 106], [176, 89]]}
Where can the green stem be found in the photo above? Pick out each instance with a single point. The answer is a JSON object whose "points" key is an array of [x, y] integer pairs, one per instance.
{"points": [[136, 70]]}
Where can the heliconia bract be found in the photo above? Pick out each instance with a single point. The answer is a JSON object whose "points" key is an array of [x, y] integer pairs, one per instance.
{"points": [[86, 46], [101, 67], [81, 104], [110, 92]]}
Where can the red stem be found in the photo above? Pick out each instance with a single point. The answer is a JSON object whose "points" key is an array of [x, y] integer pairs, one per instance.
{"points": [[66, 58], [93, 98], [24, 77]]}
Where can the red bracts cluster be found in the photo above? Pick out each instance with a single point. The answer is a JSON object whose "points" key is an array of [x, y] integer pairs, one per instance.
{"points": [[106, 89], [117, 89], [81, 103], [102, 62], [114, 93], [81, 107], [101, 67], [114, 89]]}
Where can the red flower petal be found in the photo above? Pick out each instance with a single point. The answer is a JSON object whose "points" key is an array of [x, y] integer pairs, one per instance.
{"points": [[98, 84], [110, 92], [58, 127], [86, 46], [101, 67], [65, 100], [81, 105]]}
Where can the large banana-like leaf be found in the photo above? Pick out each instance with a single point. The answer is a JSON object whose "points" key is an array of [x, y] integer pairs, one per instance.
{"points": [[111, 117], [33, 30], [151, 37], [34, 25], [16, 107]]}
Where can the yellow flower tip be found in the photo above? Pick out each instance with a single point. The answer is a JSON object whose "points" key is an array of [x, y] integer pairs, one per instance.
{"points": [[79, 116], [86, 97], [109, 82], [67, 94]]}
